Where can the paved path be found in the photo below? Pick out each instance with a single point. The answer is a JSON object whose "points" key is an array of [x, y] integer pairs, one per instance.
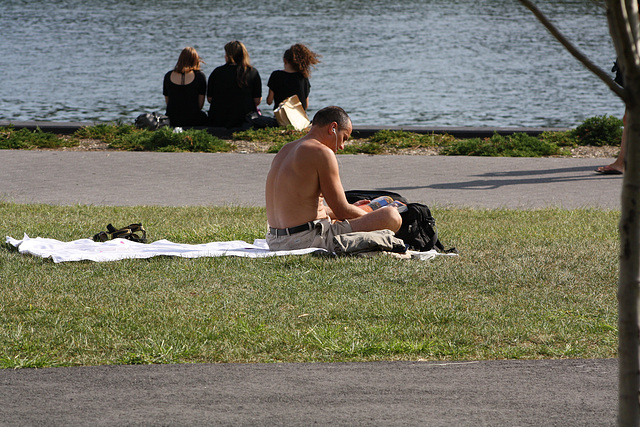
{"points": [[179, 179], [491, 393]]}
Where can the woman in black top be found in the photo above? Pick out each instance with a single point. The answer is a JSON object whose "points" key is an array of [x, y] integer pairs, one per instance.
{"points": [[234, 89], [294, 79], [184, 89]]}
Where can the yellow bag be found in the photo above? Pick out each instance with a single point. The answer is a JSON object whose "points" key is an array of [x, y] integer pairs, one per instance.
{"points": [[291, 112]]}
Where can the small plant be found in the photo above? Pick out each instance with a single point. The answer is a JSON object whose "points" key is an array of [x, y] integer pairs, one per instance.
{"points": [[13, 139], [274, 134], [598, 131], [561, 139], [166, 140], [398, 138], [274, 148], [105, 132], [365, 148], [403, 139], [516, 145], [277, 136]]}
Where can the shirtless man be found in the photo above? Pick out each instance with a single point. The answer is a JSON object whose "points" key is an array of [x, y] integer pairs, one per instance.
{"points": [[306, 204]]}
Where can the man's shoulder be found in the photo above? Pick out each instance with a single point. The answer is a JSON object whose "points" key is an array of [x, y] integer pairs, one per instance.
{"points": [[305, 149], [313, 146]]}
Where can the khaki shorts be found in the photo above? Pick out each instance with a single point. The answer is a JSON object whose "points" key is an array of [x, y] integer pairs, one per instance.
{"points": [[321, 236]]}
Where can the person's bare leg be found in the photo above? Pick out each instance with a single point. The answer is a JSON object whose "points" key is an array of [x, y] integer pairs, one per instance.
{"points": [[385, 218], [617, 167]]}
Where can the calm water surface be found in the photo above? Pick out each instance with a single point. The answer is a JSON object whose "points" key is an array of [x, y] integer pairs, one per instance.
{"points": [[429, 62]]}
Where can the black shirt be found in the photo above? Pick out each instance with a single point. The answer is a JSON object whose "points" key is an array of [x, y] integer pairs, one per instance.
{"points": [[183, 108], [231, 103], [284, 85]]}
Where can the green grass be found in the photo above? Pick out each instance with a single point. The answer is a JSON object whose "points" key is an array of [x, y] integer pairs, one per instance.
{"points": [[166, 140], [516, 145], [128, 137], [595, 131], [528, 285], [108, 133], [25, 139], [278, 136]]}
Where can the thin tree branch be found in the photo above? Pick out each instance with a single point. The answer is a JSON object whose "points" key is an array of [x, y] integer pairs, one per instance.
{"points": [[574, 50]]}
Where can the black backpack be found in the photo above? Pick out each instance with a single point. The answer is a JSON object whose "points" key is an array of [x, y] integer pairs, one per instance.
{"points": [[418, 228], [355, 195]]}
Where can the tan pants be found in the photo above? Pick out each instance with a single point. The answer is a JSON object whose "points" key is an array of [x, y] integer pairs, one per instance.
{"points": [[321, 236]]}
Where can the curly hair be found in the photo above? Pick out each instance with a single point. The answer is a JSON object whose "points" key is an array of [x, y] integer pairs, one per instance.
{"points": [[301, 58]]}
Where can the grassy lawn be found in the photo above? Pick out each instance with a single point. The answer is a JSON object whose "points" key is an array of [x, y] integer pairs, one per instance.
{"points": [[594, 132], [528, 285]]}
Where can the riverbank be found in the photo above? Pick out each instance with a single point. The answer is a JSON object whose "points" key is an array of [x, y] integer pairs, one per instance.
{"points": [[65, 129]]}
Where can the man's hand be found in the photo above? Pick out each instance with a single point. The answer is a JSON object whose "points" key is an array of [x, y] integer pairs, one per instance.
{"points": [[361, 203]]}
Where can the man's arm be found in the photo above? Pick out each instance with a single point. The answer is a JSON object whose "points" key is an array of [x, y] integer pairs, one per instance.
{"points": [[331, 188], [358, 203]]}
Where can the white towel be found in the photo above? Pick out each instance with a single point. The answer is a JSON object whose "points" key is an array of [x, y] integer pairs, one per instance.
{"points": [[117, 249]]}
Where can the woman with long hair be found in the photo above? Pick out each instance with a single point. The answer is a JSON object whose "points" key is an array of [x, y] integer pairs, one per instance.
{"points": [[235, 88], [184, 89], [294, 78]]}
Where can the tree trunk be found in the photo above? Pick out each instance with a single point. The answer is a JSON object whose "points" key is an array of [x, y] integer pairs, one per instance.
{"points": [[629, 279], [623, 26], [622, 16]]}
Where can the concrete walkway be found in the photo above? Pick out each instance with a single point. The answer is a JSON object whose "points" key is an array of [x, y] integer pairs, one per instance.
{"points": [[180, 179], [487, 393]]}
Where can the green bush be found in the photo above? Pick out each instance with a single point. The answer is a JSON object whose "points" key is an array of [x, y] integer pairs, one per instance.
{"points": [[13, 139], [598, 131], [516, 145]]}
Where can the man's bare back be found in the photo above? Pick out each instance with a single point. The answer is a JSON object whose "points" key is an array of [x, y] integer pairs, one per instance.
{"points": [[304, 183], [293, 192]]}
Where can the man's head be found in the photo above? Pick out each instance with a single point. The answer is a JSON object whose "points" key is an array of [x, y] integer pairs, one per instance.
{"points": [[333, 125], [331, 114]]}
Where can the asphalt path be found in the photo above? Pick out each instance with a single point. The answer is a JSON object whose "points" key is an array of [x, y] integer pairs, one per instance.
{"points": [[183, 179], [473, 393]]}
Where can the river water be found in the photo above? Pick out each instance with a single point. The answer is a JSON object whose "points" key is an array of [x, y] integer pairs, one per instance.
{"points": [[406, 62]]}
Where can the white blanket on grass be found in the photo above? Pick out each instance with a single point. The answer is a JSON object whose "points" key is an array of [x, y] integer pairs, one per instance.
{"points": [[118, 249]]}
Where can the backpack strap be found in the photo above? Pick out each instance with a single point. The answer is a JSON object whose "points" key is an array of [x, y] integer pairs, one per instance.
{"points": [[440, 247]]}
